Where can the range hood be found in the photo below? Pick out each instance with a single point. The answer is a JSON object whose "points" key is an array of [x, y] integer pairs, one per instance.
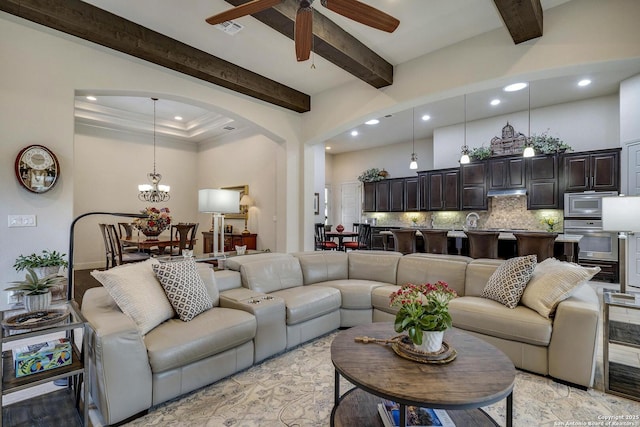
{"points": [[509, 192]]}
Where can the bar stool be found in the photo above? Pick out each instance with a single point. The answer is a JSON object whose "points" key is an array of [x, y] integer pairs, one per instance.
{"points": [[435, 241], [483, 244], [532, 243], [404, 240]]}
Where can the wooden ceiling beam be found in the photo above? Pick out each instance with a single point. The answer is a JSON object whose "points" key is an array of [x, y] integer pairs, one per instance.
{"points": [[523, 18], [90, 23], [330, 42]]}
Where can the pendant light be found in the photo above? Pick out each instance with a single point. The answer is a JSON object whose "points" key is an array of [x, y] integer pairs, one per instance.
{"points": [[414, 158], [528, 149], [154, 192], [464, 159]]}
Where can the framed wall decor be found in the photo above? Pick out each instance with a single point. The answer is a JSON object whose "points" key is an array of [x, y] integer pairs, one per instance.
{"points": [[316, 203], [37, 168], [242, 189]]}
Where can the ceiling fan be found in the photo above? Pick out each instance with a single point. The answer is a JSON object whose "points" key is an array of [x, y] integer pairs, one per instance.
{"points": [[352, 9]]}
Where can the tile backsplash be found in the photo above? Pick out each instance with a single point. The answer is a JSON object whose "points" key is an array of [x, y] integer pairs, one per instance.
{"points": [[503, 212]]}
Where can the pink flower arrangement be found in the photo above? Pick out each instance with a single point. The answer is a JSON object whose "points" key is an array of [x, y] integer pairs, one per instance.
{"points": [[157, 220], [423, 307]]}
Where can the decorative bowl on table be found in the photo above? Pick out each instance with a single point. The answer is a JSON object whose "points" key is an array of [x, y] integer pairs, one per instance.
{"points": [[157, 221]]}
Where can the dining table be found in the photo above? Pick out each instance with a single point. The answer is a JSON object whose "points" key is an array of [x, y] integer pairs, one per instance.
{"points": [[145, 244], [340, 235]]}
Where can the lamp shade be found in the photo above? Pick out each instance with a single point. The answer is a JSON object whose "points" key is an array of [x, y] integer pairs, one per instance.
{"points": [[621, 213], [217, 200], [246, 200]]}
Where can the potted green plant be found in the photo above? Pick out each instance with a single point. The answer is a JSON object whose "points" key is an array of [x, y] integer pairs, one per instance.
{"points": [[546, 144], [373, 175], [36, 290], [480, 153], [424, 313], [45, 264]]}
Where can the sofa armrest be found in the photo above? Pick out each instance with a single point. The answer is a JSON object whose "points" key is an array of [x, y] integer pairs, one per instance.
{"points": [[573, 346], [121, 384], [270, 313]]}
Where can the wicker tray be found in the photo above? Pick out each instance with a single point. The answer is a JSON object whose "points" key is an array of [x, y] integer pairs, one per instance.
{"points": [[404, 348], [35, 319]]}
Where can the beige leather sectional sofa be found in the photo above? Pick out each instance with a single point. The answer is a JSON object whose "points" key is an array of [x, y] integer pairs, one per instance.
{"points": [[268, 303]]}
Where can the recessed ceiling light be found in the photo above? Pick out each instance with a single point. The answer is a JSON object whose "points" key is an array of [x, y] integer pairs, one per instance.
{"points": [[372, 122], [426, 117], [178, 118], [327, 148], [514, 87], [92, 98], [354, 133], [584, 82], [495, 102]]}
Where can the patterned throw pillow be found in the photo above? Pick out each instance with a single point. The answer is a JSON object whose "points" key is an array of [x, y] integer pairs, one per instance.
{"points": [[137, 292], [554, 281], [184, 288], [507, 283]]}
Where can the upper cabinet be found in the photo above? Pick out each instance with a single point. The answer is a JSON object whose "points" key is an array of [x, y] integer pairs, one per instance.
{"points": [[382, 196], [592, 171], [412, 194], [474, 186], [506, 173], [542, 182], [440, 190], [396, 194], [369, 196], [387, 195]]}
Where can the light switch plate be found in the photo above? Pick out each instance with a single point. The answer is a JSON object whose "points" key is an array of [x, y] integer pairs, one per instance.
{"points": [[22, 221]]}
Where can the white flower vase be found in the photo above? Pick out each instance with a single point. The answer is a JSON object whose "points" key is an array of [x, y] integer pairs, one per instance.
{"points": [[431, 341], [37, 302]]}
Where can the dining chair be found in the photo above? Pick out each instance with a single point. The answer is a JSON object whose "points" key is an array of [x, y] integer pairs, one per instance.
{"points": [[483, 244], [125, 232], [321, 239], [404, 240], [116, 256], [185, 236], [435, 241], [364, 238], [535, 243]]}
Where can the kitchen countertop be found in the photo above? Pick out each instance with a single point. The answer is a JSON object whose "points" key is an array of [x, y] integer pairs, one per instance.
{"points": [[504, 235]]}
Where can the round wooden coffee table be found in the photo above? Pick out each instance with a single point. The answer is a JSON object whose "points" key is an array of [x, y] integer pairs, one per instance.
{"points": [[480, 375]]}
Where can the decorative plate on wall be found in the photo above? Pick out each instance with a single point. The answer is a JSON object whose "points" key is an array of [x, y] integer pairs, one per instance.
{"points": [[37, 168]]}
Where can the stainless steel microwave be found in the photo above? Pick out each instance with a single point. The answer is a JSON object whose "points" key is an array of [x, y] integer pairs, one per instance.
{"points": [[585, 205]]}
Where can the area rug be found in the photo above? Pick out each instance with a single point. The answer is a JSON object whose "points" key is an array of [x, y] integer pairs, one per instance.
{"points": [[296, 390]]}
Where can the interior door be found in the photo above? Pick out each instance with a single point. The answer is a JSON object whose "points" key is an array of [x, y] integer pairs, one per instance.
{"points": [[351, 204], [633, 189]]}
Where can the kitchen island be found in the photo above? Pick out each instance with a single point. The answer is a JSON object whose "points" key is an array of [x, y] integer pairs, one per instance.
{"points": [[566, 245]]}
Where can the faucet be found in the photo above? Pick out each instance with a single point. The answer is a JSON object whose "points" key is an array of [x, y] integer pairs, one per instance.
{"points": [[471, 221]]}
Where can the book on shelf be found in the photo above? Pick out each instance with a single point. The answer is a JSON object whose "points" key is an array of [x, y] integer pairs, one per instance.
{"points": [[416, 416]]}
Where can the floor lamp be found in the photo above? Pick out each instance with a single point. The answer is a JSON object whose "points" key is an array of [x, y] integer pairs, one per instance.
{"points": [[621, 214], [217, 202]]}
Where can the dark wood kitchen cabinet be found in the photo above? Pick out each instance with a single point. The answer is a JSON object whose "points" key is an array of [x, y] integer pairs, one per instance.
{"points": [[396, 194], [474, 186], [369, 196], [542, 182], [591, 171], [506, 173], [412, 194], [442, 190], [382, 196]]}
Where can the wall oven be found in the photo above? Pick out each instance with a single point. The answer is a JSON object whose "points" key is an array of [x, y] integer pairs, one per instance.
{"points": [[595, 245]]}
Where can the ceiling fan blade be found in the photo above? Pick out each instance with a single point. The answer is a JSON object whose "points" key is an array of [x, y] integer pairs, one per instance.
{"points": [[242, 10], [303, 33], [363, 13]]}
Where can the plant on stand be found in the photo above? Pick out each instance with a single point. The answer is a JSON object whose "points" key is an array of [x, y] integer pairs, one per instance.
{"points": [[424, 313], [47, 263], [36, 290]]}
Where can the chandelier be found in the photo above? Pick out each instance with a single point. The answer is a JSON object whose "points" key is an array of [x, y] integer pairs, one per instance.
{"points": [[154, 192]]}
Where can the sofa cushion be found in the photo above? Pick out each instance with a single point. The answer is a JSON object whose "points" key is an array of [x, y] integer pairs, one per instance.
{"points": [[489, 317], [175, 343], [507, 283], [379, 266], [184, 288], [272, 274], [208, 277], [431, 268], [136, 290], [478, 273], [355, 294], [308, 302], [235, 263], [380, 298], [554, 281], [322, 266]]}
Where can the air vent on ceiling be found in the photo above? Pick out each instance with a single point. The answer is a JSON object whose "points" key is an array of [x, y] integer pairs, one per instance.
{"points": [[229, 27], [229, 128]]}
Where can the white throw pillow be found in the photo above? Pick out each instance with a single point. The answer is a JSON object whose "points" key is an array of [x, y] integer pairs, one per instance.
{"points": [[552, 282], [138, 293], [507, 283], [184, 288]]}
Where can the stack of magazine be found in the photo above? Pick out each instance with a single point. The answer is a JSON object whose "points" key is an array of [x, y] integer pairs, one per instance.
{"points": [[416, 416]]}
